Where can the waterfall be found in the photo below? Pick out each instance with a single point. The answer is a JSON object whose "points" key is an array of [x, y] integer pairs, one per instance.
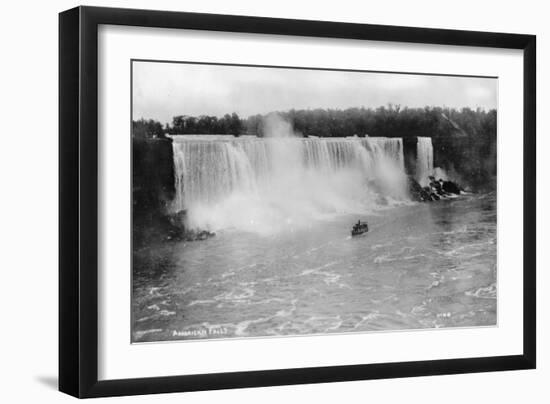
{"points": [[263, 184], [424, 160]]}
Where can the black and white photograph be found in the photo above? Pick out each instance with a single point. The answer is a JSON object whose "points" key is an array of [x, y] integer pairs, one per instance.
{"points": [[275, 202], [272, 201]]}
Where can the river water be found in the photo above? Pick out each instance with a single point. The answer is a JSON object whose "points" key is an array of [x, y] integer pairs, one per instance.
{"points": [[420, 266]]}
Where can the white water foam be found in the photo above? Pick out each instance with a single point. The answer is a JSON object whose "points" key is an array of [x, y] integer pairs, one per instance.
{"points": [[264, 185]]}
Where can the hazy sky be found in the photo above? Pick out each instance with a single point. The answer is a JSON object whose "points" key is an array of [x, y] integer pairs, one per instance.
{"points": [[163, 90]]}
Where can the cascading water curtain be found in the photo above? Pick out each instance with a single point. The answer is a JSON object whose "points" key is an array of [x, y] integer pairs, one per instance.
{"points": [[276, 177], [424, 160]]}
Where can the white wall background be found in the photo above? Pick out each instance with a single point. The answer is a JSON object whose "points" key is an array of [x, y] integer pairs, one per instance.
{"points": [[28, 199]]}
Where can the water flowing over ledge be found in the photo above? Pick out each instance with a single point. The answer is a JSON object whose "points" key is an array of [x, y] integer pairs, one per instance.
{"points": [[267, 184], [424, 160]]}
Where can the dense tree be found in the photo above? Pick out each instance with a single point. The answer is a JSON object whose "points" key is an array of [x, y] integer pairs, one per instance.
{"points": [[207, 125], [388, 121], [143, 129]]}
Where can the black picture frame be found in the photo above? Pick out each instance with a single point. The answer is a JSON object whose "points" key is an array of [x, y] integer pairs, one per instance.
{"points": [[78, 201]]}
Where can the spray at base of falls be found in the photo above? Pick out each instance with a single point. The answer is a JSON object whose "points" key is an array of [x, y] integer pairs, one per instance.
{"points": [[266, 185]]}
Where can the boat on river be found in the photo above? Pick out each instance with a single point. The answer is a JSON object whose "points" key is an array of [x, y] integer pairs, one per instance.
{"points": [[359, 228]]}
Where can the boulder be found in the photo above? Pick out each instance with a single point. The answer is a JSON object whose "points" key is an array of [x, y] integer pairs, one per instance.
{"points": [[416, 191], [436, 186], [451, 187]]}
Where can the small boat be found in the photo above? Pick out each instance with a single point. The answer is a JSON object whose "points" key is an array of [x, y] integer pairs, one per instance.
{"points": [[359, 228]]}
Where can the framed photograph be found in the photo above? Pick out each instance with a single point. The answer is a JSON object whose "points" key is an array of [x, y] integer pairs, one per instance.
{"points": [[251, 201]]}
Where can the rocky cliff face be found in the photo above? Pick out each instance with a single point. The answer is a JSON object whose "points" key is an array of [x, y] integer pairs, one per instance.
{"points": [[153, 174], [152, 185]]}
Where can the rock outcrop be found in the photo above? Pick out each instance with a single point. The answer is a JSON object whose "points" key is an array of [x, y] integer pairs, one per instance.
{"points": [[435, 191]]}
